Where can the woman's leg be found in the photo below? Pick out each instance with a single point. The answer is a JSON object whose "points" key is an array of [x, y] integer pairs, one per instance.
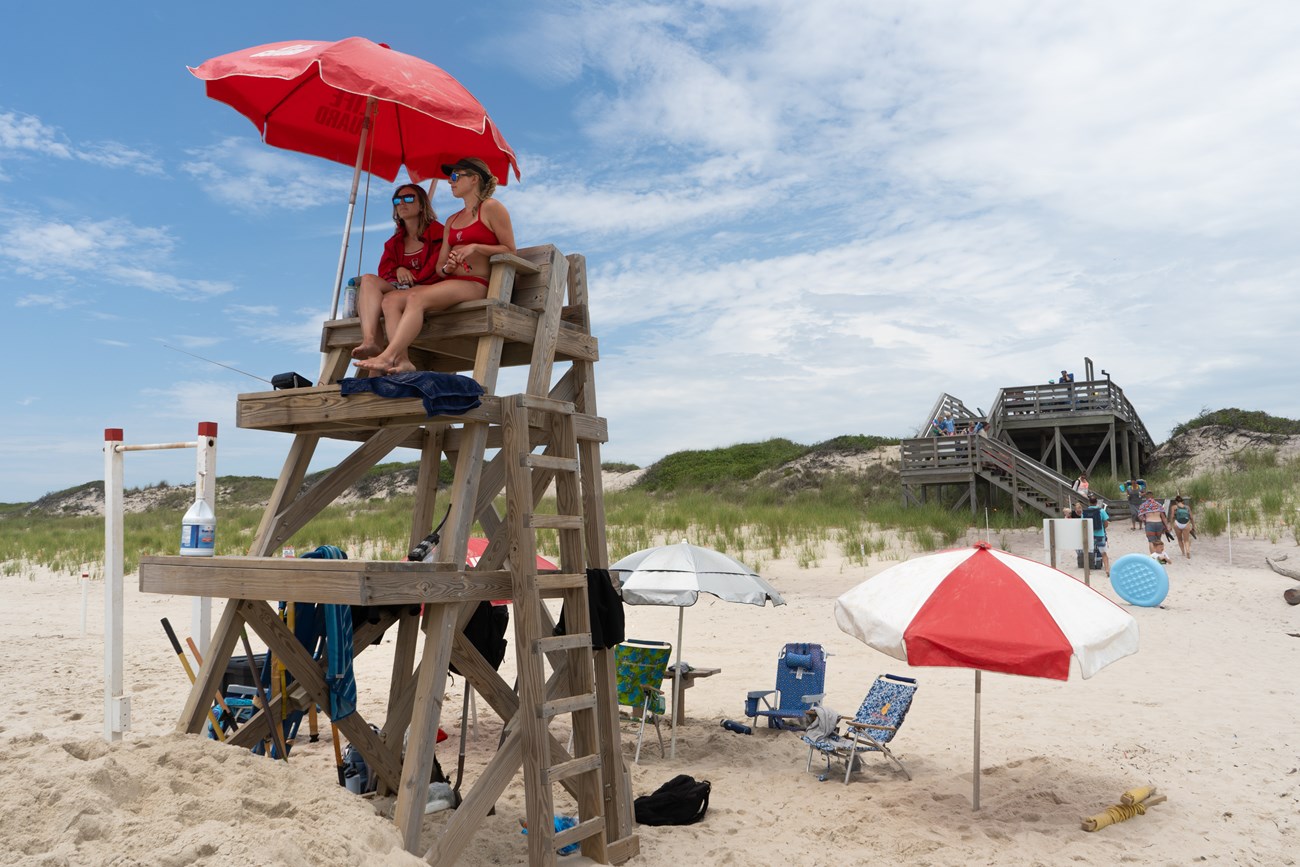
{"points": [[369, 301], [418, 302]]}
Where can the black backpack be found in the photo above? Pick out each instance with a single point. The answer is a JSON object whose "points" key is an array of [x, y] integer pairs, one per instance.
{"points": [[683, 800]]}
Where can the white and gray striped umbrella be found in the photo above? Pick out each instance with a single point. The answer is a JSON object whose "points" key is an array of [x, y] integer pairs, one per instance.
{"points": [[677, 575]]}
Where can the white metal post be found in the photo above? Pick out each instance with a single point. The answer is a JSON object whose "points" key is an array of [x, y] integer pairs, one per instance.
{"points": [[205, 488], [115, 721]]}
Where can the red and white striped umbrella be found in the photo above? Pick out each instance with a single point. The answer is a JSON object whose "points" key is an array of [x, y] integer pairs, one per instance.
{"points": [[987, 610]]}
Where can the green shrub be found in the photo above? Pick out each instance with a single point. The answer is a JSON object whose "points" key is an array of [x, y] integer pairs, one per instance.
{"points": [[1240, 419], [1211, 521], [711, 467]]}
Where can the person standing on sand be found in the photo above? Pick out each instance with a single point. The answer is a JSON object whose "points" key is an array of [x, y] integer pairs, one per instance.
{"points": [[1184, 525], [1100, 518], [1133, 489], [473, 235], [1153, 518]]}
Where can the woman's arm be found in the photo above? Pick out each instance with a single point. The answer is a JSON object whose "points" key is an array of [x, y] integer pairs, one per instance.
{"points": [[388, 262], [428, 272]]}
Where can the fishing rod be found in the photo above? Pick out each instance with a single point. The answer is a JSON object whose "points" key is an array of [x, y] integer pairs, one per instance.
{"points": [[279, 381]]}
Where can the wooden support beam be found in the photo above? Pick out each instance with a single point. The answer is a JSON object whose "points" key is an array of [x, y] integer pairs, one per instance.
{"points": [[342, 582], [286, 489], [431, 681], [382, 760]]}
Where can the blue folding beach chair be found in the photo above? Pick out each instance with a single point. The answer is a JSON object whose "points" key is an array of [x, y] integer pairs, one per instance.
{"points": [[878, 719], [800, 682]]}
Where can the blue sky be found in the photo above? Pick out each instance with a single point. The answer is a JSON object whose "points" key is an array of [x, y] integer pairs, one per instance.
{"points": [[800, 219]]}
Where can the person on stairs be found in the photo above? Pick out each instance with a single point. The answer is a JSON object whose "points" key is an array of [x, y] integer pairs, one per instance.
{"points": [[473, 235], [410, 259]]}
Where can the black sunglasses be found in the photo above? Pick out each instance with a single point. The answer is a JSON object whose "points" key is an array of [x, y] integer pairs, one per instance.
{"points": [[408, 198]]}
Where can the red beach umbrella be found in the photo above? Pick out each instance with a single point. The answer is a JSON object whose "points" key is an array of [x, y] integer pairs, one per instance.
{"points": [[477, 545], [354, 102], [988, 610], [311, 97]]}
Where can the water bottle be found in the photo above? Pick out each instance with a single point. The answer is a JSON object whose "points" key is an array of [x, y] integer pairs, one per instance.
{"points": [[348, 304], [199, 531], [737, 727]]}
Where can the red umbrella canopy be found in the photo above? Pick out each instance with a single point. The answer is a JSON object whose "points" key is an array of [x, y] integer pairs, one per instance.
{"points": [[477, 545], [985, 609], [311, 97]]}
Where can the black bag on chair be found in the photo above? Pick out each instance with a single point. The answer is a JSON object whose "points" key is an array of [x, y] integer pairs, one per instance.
{"points": [[683, 800]]}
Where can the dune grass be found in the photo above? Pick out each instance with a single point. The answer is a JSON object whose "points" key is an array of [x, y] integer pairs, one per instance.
{"points": [[712, 498]]}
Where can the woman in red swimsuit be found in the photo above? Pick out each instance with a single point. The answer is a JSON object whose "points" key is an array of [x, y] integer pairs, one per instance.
{"points": [[474, 234], [410, 259]]}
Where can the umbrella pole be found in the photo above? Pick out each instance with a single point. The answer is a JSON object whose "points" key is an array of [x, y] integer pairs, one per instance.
{"points": [[677, 678], [977, 740], [352, 206]]}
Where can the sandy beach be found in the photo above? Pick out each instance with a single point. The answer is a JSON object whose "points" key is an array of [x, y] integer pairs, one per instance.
{"points": [[1207, 711]]}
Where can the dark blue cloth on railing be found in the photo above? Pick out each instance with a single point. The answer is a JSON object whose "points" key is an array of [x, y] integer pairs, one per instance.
{"points": [[442, 393]]}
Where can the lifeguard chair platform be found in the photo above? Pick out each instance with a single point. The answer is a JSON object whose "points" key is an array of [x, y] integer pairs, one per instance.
{"points": [[535, 316], [1035, 441]]}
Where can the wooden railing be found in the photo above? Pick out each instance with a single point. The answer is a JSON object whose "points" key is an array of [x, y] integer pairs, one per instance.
{"points": [[1027, 479], [1065, 398], [946, 403]]}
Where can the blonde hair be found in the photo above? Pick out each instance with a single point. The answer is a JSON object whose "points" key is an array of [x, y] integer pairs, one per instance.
{"points": [[485, 187]]}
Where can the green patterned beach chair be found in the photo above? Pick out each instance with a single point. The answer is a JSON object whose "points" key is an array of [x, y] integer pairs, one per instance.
{"points": [[642, 667]]}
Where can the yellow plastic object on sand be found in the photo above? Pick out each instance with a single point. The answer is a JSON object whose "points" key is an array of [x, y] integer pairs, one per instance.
{"points": [[1134, 802]]}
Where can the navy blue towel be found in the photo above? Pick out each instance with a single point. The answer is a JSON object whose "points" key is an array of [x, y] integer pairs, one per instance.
{"points": [[442, 393]]}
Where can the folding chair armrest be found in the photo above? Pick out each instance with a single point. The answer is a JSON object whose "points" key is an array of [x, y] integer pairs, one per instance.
{"points": [[856, 724], [760, 693]]}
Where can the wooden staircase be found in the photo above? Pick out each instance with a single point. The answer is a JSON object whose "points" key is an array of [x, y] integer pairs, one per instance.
{"points": [[964, 459], [524, 321]]}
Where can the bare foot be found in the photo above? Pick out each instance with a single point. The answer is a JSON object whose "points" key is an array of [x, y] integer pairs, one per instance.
{"points": [[382, 365], [366, 350]]}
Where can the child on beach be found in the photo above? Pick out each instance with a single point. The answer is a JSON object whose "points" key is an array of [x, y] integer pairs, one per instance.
{"points": [[1159, 554]]}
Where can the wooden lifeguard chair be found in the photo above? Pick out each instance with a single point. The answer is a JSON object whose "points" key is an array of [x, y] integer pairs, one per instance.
{"points": [[523, 321]]}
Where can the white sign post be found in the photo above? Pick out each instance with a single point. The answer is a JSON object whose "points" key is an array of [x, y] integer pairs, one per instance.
{"points": [[117, 707], [1064, 529]]}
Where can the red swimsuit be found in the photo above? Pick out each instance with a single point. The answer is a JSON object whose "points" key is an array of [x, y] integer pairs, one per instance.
{"points": [[474, 233]]}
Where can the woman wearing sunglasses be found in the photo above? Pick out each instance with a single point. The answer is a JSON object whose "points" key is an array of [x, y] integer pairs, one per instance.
{"points": [[410, 259], [473, 235]]}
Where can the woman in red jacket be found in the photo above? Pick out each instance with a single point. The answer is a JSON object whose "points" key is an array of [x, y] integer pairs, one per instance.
{"points": [[410, 260], [474, 234]]}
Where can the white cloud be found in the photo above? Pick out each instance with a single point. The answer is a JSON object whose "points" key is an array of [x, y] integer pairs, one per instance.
{"points": [[24, 134], [114, 250], [253, 177]]}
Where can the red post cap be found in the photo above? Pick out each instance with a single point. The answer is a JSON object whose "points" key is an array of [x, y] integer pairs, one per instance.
{"points": [[113, 434], [207, 428]]}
